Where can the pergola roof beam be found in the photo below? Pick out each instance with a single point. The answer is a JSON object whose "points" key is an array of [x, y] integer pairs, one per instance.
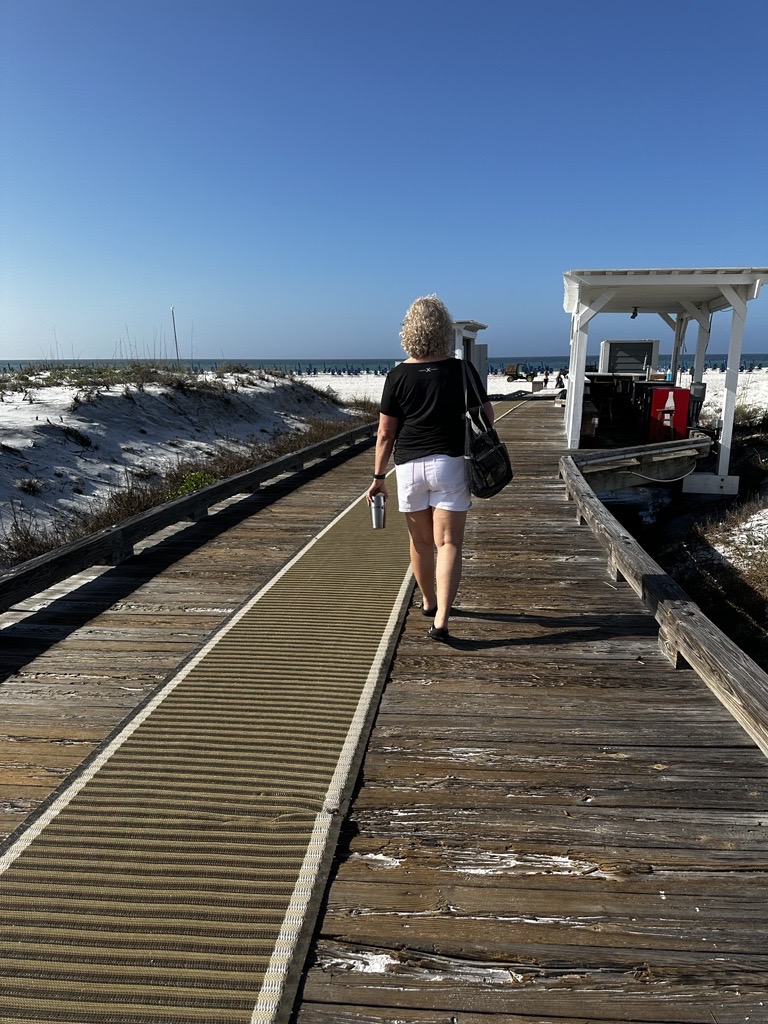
{"points": [[592, 308], [735, 300], [696, 314], [661, 291]]}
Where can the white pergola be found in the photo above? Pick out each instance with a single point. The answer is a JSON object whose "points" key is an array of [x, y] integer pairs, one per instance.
{"points": [[678, 297]]}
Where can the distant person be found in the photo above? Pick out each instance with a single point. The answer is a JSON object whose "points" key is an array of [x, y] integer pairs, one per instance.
{"points": [[422, 421], [546, 379], [559, 383]]}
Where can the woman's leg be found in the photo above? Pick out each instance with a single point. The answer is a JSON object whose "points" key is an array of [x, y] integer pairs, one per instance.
{"points": [[448, 534], [421, 532]]}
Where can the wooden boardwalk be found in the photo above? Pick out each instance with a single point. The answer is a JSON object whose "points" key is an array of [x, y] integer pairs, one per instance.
{"points": [[552, 824]]}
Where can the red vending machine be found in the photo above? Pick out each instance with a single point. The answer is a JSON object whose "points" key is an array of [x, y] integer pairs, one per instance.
{"points": [[669, 413]]}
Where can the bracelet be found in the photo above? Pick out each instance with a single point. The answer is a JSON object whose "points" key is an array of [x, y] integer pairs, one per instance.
{"points": [[379, 476]]}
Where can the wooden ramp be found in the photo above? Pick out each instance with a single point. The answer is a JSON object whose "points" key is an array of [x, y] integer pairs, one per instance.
{"points": [[172, 879], [75, 660], [169, 879], [553, 824]]}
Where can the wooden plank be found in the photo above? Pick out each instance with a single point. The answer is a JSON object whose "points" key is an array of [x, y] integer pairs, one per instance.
{"points": [[457, 918], [587, 457], [701, 832], [398, 863], [533, 983], [461, 732], [318, 1013]]}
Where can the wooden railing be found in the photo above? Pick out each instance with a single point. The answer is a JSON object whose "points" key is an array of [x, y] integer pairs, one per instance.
{"points": [[112, 545], [686, 635]]}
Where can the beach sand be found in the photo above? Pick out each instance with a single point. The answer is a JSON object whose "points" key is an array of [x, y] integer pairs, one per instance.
{"points": [[60, 447], [752, 388]]}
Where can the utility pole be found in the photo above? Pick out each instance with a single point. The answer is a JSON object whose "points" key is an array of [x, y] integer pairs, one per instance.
{"points": [[175, 339]]}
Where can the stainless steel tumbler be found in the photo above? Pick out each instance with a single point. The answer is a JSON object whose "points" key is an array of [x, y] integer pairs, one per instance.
{"points": [[378, 512]]}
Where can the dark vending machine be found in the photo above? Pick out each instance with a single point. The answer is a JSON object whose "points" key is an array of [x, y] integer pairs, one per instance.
{"points": [[668, 413]]}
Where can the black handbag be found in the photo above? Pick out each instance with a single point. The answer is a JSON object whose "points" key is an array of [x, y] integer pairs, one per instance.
{"points": [[489, 468]]}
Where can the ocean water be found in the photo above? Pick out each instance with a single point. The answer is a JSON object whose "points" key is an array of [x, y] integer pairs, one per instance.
{"points": [[347, 367], [496, 364]]}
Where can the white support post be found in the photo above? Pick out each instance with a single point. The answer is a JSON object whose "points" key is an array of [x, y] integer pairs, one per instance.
{"points": [[576, 370], [469, 349], [681, 323], [738, 318], [458, 343], [722, 482], [703, 318], [571, 345], [578, 364], [702, 344]]}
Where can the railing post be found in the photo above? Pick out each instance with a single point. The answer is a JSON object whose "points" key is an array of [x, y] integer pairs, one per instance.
{"points": [[670, 650]]}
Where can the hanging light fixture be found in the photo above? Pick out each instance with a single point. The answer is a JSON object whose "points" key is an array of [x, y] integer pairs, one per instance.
{"points": [[634, 314]]}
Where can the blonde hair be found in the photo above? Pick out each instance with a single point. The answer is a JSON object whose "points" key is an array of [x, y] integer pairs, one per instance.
{"points": [[427, 328]]}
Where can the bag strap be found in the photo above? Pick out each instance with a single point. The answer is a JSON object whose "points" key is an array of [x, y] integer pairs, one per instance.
{"points": [[481, 414]]}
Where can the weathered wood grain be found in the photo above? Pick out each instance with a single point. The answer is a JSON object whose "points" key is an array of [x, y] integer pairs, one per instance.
{"points": [[458, 917], [539, 985], [552, 823]]}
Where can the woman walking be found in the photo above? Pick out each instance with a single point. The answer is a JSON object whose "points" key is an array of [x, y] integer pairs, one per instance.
{"points": [[422, 421]]}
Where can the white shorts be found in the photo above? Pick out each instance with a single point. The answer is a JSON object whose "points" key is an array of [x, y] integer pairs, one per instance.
{"points": [[436, 480]]}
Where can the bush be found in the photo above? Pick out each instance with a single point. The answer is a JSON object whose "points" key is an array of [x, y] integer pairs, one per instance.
{"points": [[25, 538], [192, 481], [73, 434], [29, 485], [366, 408], [226, 368]]}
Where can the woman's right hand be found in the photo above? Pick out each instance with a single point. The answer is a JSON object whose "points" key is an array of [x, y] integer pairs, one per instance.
{"points": [[377, 487]]}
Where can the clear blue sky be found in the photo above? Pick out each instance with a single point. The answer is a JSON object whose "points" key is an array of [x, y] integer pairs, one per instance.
{"points": [[290, 175]]}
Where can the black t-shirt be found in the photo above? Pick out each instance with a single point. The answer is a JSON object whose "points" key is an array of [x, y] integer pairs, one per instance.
{"points": [[428, 400]]}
